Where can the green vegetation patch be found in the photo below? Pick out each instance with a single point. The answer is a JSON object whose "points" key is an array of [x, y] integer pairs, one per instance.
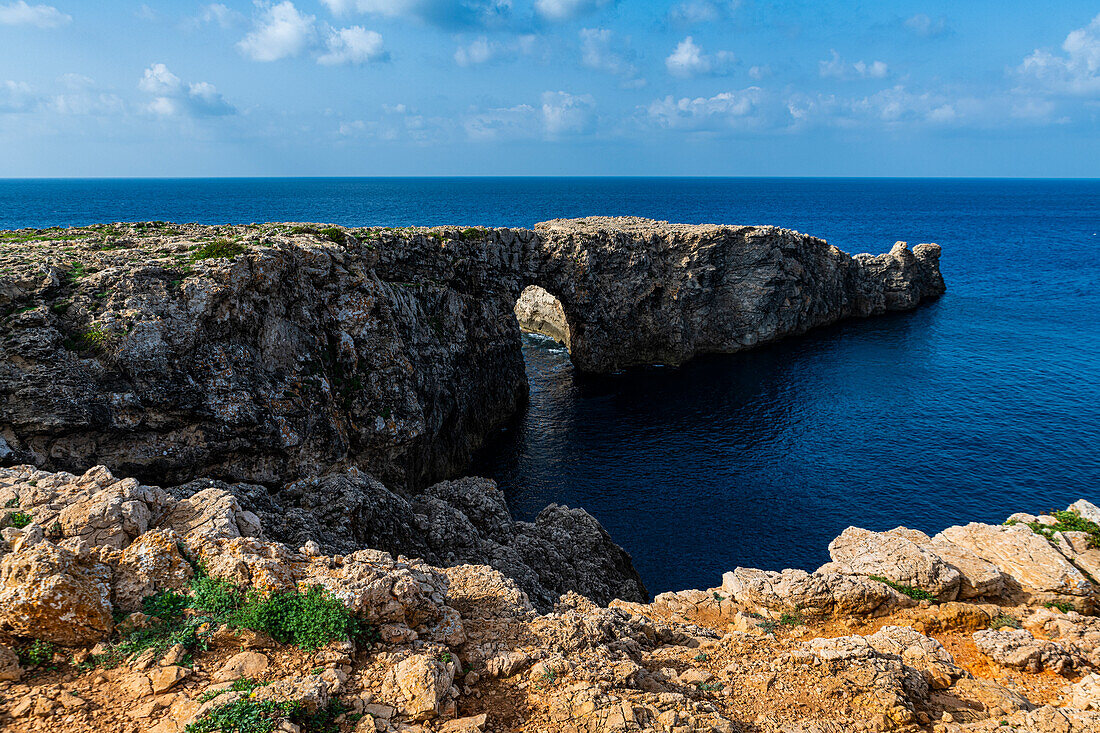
{"points": [[244, 716], [19, 520], [471, 233], [339, 236], [915, 593], [254, 716], [1067, 521], [307, 619], [1059, 605], [43, 235], [219, 248], [94, 340], [38, 654]]}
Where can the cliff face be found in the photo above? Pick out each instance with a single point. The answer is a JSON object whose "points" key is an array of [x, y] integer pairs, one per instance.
{"points": [[270, 353]]}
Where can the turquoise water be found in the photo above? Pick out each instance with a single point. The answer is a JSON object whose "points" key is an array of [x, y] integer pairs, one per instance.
{"points": [[982, 403]]}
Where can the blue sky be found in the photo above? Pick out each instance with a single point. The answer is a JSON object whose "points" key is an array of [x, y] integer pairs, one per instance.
{"points": [[549, 87]]}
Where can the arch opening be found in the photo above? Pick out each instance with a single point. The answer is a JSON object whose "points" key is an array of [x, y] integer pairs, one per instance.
{"points": [[538, 311]]}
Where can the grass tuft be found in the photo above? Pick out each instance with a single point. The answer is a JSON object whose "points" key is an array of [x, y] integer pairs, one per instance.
{"points": [[915, 593]]}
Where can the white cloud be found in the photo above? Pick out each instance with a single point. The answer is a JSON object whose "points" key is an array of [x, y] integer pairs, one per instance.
{"points": [[481, 50], [502, 122], [42, 16], [558, 10], [567, 113], [736, 109], [925, 26], [692, 12], [173, 97], [1076, 72], [280, 31], [838, 68], [217, 14], [596, 53], [760, 72], [354, 45], [16, 96], [688, 60]]}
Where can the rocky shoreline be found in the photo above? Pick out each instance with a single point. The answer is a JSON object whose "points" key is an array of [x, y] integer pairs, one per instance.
{"points": [[181, 406], [125, 607]]}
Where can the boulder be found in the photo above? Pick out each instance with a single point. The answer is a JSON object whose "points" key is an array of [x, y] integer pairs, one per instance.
{"points": [[918, 651], [1030, 562], [1019, 649], [978, 578], [1087, 510], [245, 664], [151, 564], [814, 594], [893, 555], [10, 671], [1085, 693], [418, 686], [46, 593]]}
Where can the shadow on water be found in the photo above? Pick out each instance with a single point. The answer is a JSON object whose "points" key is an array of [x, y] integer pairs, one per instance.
{"points": [[761, 458]]}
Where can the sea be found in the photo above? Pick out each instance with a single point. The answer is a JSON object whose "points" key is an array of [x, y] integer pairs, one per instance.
{"points": [[979, 404]]}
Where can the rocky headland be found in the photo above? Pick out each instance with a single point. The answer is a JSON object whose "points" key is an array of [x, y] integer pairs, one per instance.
{"points": [[126, 607], [233, 499]]}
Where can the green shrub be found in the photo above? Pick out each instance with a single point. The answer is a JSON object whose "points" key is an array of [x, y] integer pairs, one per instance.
{"points": [[336, 235], [472, 233], [1060, 605], [309, 620], [19, 520], [166, 605], [37, 654], [212, 597], [915, 593], [217, 248], [791, 619]]}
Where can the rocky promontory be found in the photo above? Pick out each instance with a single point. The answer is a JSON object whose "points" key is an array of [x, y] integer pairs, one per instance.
{"points": [[273, 353], [231, 499]]}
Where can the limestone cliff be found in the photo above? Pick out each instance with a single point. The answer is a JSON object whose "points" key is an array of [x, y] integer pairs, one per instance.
{"points": [[272, 353]]}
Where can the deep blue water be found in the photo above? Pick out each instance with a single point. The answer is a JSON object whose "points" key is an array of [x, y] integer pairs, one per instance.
{"points": [[980, 404]]}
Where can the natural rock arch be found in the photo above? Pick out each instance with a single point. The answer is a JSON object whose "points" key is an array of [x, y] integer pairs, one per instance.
{"points": [[539, 311]]}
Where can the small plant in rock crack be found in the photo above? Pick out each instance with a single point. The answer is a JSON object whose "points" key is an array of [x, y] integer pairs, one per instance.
{"points": [[1004, 621], [1059, 605], [768, 626], [701, 657], [915, 593], [792, 619], [19, 520]]}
